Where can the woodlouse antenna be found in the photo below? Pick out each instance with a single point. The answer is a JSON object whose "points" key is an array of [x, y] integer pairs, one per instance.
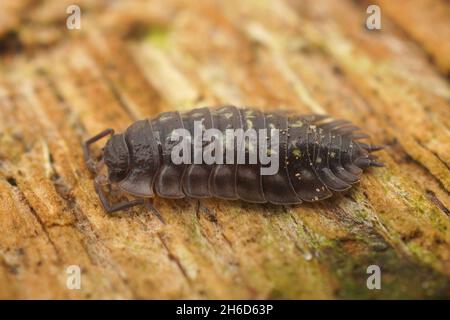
{"points": [[92, 165]]}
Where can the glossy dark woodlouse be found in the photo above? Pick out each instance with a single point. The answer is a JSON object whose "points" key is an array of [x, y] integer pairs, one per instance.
{"points": [[318, 156]]}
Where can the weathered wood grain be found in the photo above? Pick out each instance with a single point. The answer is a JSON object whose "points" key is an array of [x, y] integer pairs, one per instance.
{"points": [[130, 61]]}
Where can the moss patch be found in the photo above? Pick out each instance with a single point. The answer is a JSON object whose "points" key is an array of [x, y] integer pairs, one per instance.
{"points": [[401, 278]]}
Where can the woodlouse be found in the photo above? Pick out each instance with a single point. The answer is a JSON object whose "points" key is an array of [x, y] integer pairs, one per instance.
{"points": [[318, 155]]}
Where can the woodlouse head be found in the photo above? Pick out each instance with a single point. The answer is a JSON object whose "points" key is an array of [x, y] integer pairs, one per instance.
{"points": [[116, 157]]}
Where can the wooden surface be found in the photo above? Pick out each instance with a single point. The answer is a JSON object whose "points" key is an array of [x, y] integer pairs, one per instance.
{"points": [[131, 61]]}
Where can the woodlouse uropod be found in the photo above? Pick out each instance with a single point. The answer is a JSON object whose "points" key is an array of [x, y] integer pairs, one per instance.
{"points": [[318, 155]]}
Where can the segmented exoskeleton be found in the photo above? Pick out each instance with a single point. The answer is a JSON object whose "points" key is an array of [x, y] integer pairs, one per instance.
{"points": [[317, 155]]}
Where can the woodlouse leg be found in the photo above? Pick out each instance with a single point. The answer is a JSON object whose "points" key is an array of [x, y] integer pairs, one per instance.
{"points": [[90, 163], [110, 208], [149, 205]]}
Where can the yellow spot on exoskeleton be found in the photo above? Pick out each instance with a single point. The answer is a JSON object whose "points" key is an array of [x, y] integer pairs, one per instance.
{"points": [[297, 152]]}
